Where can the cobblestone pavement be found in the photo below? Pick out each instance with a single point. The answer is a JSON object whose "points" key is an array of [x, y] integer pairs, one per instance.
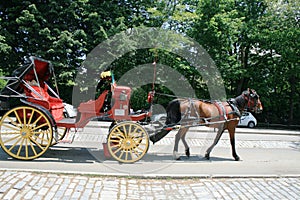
{"points": [[30, 185]]}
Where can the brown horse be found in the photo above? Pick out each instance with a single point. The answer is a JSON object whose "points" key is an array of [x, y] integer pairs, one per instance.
{"points": [[221, 115]]}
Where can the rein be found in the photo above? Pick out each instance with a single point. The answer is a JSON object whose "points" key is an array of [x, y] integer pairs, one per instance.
{"points": [[181, 97]]}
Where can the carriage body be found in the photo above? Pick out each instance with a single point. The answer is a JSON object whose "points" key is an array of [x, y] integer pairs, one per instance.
{"points": [[37, 120]]}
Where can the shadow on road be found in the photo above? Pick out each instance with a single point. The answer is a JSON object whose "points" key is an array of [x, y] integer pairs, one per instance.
{"points": [[67, 154]]}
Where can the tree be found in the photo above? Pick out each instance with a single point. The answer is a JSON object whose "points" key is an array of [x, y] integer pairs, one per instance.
{"points": [[278, 34]]}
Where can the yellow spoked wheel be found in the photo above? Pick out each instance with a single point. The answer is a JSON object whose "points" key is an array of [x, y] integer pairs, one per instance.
{"points": [[25, 133], [128, 142]]}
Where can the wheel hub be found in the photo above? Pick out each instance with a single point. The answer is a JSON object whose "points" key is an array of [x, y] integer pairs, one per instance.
{"points": [[128, 144], [25, 132]]}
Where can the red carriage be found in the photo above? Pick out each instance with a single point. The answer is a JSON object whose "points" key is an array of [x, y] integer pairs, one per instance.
{"points": [[39, 121]]}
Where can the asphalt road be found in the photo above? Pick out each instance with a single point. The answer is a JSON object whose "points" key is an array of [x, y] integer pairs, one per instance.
{"points": [[264, 153]]}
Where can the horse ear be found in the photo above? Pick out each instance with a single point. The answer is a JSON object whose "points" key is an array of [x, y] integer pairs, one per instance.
{"points": [[252, 93]]}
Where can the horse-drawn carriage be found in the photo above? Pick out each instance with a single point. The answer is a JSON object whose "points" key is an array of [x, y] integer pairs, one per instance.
{"points": [[38, 120]]}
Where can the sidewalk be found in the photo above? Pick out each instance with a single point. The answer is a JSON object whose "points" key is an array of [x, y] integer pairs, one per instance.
{"points": [[29, 185]]}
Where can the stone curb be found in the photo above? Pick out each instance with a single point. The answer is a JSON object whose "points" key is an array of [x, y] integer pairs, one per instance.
{"points": [[154, 176]]}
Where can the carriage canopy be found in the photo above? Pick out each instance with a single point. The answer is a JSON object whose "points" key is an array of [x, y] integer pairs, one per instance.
{"points": [[38, 70]]}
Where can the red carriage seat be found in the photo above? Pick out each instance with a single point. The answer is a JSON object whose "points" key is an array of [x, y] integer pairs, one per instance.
{"points": [[93, 106], [41, 97]]}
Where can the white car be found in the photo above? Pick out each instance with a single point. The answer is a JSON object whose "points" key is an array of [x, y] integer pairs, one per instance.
{"points": [[159, 117], [69, 110], [247, 119]]}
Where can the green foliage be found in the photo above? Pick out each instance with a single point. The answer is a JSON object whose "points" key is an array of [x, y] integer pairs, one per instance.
{"points": [[254, 43]]}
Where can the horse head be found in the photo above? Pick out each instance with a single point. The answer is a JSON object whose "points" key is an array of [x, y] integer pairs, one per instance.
{"points": [[253, 102]]}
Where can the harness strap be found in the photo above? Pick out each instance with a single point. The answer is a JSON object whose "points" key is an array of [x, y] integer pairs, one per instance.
{"points": [[188, 113], [233, 104], [221, 109]]}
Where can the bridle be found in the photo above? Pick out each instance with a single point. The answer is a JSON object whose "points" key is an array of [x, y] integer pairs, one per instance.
{"points": [[252, 99]]}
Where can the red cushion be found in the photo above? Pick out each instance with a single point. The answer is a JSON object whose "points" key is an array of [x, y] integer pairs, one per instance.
{"points": [[54, 105]]}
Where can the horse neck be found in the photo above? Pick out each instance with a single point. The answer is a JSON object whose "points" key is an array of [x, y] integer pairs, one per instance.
{"points": [[241, 102]]}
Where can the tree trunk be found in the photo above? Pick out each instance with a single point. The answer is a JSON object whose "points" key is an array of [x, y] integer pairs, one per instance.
{"points": [[244, 65], [291, 98]]}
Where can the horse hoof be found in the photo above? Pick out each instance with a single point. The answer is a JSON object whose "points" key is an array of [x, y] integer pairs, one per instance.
{"points": [[236, 158], [187, 152], [176, 156], [207, 156]]}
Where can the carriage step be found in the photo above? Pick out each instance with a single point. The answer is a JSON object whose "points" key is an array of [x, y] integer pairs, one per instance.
{"points": [[67, 121]]}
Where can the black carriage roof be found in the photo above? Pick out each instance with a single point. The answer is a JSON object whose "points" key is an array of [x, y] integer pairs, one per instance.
{"points": [[41, 68]]}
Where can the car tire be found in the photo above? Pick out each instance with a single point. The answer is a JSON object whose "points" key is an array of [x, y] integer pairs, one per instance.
{"points": [[251, 124]]}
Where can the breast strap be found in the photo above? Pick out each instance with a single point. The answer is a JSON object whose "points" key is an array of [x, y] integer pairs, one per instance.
{"points": [[221, 109]]}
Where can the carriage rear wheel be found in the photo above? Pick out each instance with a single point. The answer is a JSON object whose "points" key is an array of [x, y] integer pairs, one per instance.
{"points": [[25, 133], [128, 142]]}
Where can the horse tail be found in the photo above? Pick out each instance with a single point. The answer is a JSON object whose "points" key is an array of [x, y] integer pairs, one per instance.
{"points": [[173, 117]]}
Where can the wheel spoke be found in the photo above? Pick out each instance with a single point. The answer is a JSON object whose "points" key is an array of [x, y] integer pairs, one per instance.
{"points": [[26, 148], [122, 152], [13, 138], [31, 116], [32, 147], [20, 147], [113, 140], [129, 131], [135, 130], [24, 116], [14, 144], [126, 155], [139, 148], [116, 151], [37, 144], [40, 126], [116, 145], [11, 127], [120, 132], [38, 119], [137, 154], [118, 136], [17, 116], [12, 121], [125, 131]]}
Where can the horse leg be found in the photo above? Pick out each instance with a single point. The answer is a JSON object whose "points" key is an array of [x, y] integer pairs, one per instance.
{"points": [[175, 150], [186, 146], [232, 142], [179, 136], [218, 136]]}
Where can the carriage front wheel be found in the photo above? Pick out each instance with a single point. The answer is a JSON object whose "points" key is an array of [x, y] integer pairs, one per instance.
{"points": [[128, 142], [25, 133]]}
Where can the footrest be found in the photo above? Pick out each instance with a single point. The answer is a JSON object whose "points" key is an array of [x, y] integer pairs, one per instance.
{"points": [[67, 121]]}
